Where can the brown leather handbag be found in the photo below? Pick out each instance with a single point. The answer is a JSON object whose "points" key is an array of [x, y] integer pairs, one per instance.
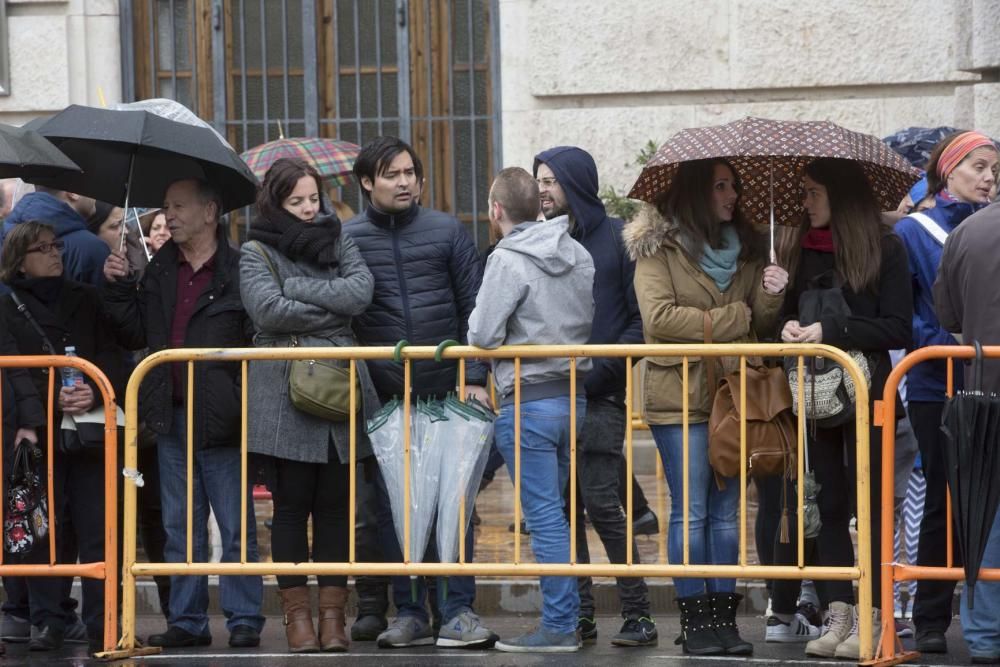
{"points": [[770, 434]]}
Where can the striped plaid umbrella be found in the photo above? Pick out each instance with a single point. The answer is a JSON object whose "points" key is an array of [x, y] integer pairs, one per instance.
{"points": [[332, 158]]}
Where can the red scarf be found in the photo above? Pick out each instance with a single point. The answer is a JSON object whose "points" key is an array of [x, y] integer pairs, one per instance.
{"points": [[818, 239]]}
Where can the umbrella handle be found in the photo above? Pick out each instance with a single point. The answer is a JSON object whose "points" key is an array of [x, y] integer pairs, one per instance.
{"points": [[397, 352], [977, 366], [442, 346]]}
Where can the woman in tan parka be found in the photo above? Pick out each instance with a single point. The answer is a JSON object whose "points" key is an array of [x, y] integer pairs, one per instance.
{"points": [[699, 265]]}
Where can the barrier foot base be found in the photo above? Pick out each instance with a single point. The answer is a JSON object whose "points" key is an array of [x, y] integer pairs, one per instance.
{"points": [[895, 659], [121, 653]]}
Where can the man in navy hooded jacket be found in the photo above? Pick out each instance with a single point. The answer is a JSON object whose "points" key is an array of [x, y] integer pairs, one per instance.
{"points": [[83, 252], [567, 181]]}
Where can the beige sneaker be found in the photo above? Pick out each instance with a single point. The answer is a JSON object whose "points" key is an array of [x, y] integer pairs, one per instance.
{"points": [[850, 648], [840, 620]]}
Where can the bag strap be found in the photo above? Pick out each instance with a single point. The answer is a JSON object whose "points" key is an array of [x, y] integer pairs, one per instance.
{"points": [[23, 309], [930, 226], [709, 361]]}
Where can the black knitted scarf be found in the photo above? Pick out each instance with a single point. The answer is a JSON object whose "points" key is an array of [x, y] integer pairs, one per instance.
{"points": [[315, 241]]}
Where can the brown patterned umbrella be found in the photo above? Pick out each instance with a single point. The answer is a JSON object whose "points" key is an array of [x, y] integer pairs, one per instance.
{"points": [[756, 146]]}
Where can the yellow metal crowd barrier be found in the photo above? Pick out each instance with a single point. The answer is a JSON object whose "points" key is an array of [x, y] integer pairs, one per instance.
{"points": [[406, 355], [890, 649], [108, 568]]}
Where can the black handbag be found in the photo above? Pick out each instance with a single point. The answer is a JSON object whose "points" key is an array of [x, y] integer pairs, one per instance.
{"points": [[26, 519]]}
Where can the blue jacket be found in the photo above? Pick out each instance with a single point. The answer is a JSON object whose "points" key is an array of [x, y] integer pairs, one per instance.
{"points": [[427, 274], [926, 382], [616, 316], [84, 254]]}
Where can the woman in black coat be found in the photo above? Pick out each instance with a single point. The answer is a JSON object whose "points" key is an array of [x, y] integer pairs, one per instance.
{"points": [[844, 244], [68, 314]]}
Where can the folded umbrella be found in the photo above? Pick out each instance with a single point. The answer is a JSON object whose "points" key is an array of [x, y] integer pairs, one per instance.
{"points": [[24, 153], [971, 426], [130, 157]]}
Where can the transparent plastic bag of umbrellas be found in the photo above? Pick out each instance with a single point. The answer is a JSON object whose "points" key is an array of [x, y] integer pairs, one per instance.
{"points": [[428, 426], [470, 434], [385, 432]]}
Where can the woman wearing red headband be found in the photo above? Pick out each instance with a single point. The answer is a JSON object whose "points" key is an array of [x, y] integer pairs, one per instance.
{"points": [[962, 175]]}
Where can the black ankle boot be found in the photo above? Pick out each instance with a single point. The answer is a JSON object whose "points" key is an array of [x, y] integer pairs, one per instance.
{"points": [[697, 631], [724, 606]]}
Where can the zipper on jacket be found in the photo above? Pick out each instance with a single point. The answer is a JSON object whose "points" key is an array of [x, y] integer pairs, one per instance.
{"points": [[403, 292]]}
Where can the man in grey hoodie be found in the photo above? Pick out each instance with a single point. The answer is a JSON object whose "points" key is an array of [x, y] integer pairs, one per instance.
{"points": [[537, 290]]}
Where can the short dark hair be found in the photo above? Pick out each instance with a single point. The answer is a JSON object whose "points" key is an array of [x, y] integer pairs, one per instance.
{"points": [[206, 192], [279, 181], [375, 158], [16, 244], [517, 191]]}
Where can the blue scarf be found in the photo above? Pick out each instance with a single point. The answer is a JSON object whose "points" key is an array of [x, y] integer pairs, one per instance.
{"points": [[720, 263]]}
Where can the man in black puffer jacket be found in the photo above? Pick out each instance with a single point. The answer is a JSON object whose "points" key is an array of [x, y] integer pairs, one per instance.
{"points": [[427, 274]]}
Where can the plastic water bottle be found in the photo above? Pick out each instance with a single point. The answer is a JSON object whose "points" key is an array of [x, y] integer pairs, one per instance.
{"points": [[71, 377]]}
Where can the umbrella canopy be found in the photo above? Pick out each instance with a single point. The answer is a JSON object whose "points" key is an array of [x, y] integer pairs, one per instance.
{"points": [[25, 153], [130, 157], [971, 425], [769, 155], [332, 158], [916, 143], [170, 109]]}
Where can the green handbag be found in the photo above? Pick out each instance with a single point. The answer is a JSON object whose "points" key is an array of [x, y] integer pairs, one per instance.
{"points": [[319, 387]]}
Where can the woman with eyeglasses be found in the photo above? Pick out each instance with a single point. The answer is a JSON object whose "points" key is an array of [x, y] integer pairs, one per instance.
{"points": [[46, 313]]}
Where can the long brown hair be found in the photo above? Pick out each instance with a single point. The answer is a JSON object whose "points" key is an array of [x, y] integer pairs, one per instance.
{"points": [[688, 203], [855, 221]]}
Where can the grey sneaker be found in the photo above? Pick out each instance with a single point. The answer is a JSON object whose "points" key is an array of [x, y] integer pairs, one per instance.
{"points": [[466, 631], [76, 633], [406, 631], [15, 629], [541, 640]]}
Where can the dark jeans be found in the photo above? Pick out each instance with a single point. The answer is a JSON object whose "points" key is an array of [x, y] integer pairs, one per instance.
{"points": [[932, 607], [373, 592], [302, 490], [639, 503], [767, 522], [461, 591], [833, 459], [598, 462], [150, 512]]}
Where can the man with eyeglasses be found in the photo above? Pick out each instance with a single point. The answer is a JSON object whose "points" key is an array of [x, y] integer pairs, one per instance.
{"points": [[567, 183], [83, 253]]}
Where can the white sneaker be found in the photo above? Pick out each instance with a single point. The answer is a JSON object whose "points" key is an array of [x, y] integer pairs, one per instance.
{"points": [[796, 631], [840, 620]]}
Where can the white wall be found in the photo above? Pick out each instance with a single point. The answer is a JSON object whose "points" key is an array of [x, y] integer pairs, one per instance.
{"points": [[608, 75], [61, 52]]}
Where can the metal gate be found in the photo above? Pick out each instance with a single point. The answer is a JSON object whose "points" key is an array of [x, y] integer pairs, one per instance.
{"points": [[424, 70]]}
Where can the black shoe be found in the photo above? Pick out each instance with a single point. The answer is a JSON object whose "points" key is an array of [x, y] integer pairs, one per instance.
{"points": [[524, 528], [586, 627], [95, 645], [639, 631], [176, 637], [810, 613], [932, 641], [724, 606], [367, 628], [697, 627], [646, 524], [243, 636], [47, 639]]}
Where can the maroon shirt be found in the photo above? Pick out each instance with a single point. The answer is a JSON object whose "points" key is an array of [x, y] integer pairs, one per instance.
{"points": [[191, 285]]}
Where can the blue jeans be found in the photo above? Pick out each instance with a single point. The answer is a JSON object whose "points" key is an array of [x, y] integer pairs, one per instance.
{"points": [[216, 484], [454, 594], [545, 433], [980, 626], [714, 535]]}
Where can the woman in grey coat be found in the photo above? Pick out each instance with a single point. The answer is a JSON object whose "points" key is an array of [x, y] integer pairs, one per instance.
{"points": [[301, 282]]}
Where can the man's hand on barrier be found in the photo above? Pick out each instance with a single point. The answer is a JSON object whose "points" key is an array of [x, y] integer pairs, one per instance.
{"points": [[76, 400], [478, 393], [26, 434], [116, 266]]}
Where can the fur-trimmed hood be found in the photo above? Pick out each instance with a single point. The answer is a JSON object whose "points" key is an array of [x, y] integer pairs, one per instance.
{"points": [[647, 232]]}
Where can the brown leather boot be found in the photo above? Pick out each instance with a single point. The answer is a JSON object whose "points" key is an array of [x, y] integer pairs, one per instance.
{"points": [[332, 600], [299, 630]]}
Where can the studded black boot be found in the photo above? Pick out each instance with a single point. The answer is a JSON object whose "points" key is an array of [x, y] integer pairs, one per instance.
{"points": [[724, 606], [698, 635]]}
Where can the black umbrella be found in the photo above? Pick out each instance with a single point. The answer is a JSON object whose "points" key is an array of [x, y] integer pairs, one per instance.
{"points": [[130, 157], [971, 425], [25, 153]]}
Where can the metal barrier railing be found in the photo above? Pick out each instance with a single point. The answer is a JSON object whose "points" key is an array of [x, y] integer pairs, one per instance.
{"points": [[108, 568], [406, 355], [890, 650]]}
